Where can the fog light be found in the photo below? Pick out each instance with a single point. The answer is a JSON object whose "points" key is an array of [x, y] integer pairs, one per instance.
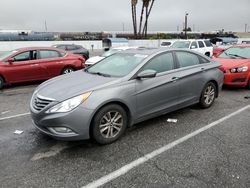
{"points": [[60, 130]]}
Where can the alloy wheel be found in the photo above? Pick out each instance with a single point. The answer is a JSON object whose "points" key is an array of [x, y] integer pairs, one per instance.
{"points": [[67, 70], [111, 124], [209, 95]]}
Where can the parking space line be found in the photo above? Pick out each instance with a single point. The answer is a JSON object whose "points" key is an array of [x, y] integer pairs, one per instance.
{"points": [[123, 170], [14, 116]]}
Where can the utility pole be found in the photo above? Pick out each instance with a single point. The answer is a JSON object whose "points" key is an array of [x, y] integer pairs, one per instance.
{"points": [[123, 27], [45, 24], [186, 15], [245, 28]]}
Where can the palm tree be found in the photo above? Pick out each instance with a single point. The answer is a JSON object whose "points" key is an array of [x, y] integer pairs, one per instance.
{"points": [[143, 27]]}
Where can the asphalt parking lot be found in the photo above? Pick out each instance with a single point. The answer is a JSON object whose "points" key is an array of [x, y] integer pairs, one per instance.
{"points": [[217, 156]]}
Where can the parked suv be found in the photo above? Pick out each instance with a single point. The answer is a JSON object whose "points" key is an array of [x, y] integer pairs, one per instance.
{"points": [[75, 49], [203, 46]]}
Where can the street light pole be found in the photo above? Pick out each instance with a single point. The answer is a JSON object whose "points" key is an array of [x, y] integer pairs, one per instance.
{"points": [[186, 25]]}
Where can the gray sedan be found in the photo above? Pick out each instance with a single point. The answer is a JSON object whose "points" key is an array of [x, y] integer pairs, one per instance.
{"points": [[126, 88]]}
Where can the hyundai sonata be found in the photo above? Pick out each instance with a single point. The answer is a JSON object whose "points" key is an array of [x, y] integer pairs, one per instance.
{"points": [[121, 90]]}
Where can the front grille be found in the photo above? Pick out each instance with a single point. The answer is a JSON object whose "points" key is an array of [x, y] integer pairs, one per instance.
{"points": [[239, 80], [40, 102]]}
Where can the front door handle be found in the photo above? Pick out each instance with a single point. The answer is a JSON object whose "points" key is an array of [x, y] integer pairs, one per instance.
{"points": [[174, 79], [33, 65]]}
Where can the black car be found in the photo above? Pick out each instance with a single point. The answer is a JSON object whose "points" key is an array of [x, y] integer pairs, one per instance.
{"points": [[75, 49]]}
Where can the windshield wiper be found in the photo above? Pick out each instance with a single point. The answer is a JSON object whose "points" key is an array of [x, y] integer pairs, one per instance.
{"points": [[235, 55], [100, 74]]}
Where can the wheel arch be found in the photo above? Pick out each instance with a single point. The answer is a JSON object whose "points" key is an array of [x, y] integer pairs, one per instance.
{"points": [[216, 85], [120, 103], [4, 79], [68, 66]]}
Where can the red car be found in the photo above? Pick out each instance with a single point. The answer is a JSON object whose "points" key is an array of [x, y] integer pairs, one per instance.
{"points": [[29, 64], [236, 65]]}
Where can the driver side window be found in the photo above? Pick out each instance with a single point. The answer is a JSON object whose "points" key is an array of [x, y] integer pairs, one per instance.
{"points": [[161, 63], [25, 56]]}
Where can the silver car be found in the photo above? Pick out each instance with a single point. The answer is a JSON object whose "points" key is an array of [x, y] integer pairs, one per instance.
{"points": [[126, 88]]}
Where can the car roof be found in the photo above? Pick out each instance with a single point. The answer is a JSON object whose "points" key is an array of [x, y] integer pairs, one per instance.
{"points": [[151, 51], [124, 47], [241, 45], [183, 40], [39, 48], [155, 51]]}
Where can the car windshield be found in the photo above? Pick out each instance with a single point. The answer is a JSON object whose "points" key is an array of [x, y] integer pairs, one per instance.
{"points": [[117, 65], [6, 54], [110, 52], [236, 52], [181, 44]]}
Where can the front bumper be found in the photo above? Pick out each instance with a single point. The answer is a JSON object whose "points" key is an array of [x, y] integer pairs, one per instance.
{"points": [[78, 120], [236, 79]]}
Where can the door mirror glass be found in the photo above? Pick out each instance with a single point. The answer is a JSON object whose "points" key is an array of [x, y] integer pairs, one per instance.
{"points": [[147, 74]]}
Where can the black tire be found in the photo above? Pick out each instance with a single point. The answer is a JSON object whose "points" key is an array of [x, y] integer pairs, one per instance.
{"points": [[85, 57], [248, 85], [67, 70], [109, 119], [208, 95], [1, 82]]}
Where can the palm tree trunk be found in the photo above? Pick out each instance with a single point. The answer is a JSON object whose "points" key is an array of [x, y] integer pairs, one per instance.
{"points": [[145, 28], [141, 19], [133, 18]]}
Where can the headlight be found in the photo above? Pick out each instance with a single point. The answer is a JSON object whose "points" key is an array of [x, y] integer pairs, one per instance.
{"points": [[240, 69], [69, 104], [233, 70]]}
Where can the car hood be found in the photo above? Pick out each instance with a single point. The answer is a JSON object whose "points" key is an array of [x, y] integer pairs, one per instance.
{"points": [[232, 63], [66, 86], [94, 60]]}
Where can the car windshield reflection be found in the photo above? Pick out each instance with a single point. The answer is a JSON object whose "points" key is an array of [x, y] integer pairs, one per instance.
{"points": [[236, 53], [117, 65]]}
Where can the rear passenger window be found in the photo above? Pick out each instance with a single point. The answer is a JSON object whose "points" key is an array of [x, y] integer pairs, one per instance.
{"points": [[201, 44], [203, 60], [186, 59], [49, 54], [71, 47], [194, 45], [161, 63], [208, 43]]}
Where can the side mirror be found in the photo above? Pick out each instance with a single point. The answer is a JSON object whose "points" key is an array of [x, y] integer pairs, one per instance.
{"points": [[147, 74], [11, 60]]}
